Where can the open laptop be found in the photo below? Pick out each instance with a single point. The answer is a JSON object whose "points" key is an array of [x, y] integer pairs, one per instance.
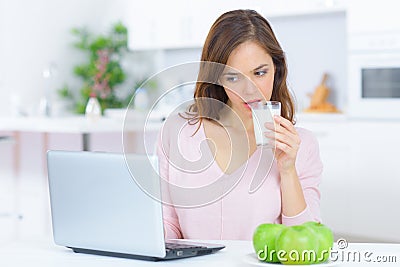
{"points": [[98, 208]]}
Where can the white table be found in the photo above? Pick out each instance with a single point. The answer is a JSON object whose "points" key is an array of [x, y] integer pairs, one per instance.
{"points": [[237, 253]]}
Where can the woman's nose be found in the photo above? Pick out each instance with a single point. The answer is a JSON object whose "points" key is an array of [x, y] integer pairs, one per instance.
{"points": [[250, 87]]}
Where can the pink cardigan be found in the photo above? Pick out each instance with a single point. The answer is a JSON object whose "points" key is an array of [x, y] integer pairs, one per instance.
{"points": [[224, 208]]}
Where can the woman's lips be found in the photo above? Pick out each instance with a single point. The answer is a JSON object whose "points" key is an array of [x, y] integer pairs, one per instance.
{"points": [[248, 103], [253, 101]]}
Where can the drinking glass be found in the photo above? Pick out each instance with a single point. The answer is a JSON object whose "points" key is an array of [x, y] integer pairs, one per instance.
{"points": [[263, 112]]}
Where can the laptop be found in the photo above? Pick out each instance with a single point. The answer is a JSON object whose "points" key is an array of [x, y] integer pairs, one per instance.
{"points": [[98, 208]]}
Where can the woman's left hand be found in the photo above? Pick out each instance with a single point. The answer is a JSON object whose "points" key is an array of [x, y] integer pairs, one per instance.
{"points": [[287, 142]]}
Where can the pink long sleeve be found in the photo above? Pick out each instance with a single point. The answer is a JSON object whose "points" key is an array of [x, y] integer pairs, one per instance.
{"points": [[170, 218], [237, 214]]}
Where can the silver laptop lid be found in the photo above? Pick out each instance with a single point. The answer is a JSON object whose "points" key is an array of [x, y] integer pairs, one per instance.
{"points": [[97, 205]]}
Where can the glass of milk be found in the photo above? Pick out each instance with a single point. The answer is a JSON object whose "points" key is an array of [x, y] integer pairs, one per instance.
{"points": [[262, 112]]}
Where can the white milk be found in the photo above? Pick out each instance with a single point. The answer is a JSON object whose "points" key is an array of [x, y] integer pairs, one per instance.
{"points": [[260, 117]]}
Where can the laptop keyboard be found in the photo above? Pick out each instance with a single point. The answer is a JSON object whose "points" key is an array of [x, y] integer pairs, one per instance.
{"points": [[181, 246]]}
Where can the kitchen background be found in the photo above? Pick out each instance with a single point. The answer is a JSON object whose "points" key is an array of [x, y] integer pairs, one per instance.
{"points": [[359, 152]]}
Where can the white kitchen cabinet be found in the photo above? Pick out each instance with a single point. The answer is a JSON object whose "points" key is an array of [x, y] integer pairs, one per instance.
{"points": [[372, 15], [184, 24], [171, 25], [375, 160], [361, 175]]}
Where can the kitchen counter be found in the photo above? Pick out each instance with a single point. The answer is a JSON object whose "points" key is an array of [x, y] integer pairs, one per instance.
{"points": [[77, 125], [73, 124]]}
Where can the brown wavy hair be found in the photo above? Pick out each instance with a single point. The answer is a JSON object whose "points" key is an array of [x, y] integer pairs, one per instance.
{"points": [[229, 31]]}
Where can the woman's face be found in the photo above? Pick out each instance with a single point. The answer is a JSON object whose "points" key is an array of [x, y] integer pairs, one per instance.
{"points": [[248, 77]]}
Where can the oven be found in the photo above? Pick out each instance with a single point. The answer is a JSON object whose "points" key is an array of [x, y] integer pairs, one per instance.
{"points": [[374, 76]]}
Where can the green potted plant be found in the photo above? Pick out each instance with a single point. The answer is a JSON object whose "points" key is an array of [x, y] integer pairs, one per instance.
{"points": [[103, 72]]}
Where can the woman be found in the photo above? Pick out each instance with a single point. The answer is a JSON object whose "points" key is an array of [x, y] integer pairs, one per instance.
{"points": [[206, 193]]}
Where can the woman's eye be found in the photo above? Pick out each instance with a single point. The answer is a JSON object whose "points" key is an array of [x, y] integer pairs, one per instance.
{"points": [[232, 79], [260, 73]]}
